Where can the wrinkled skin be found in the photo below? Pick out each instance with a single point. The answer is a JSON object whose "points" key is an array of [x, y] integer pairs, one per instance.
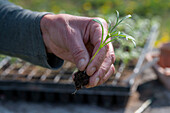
{"points": [[76, 39]]}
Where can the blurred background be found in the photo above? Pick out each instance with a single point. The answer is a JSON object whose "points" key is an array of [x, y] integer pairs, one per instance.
{"points": [[125, 91], [145, 9]]}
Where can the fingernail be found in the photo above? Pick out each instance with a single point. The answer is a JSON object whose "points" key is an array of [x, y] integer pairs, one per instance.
{"points": [[96, 81], [93, 69], [81, 63]]}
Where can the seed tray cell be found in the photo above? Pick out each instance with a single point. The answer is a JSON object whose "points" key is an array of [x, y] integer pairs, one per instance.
{"points": [[37, 84]]}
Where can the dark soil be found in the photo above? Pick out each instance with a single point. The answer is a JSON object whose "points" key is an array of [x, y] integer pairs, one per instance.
{"points": [[80, 79]]}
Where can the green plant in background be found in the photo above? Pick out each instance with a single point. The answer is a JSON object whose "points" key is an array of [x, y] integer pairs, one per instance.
{"points": [[144, 8], [113, 33], [141, 30], [140, 25]]}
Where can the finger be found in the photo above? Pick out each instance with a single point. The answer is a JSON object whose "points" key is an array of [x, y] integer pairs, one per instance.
{"points": [[95, 31], [109, 60], [100, 74], [107, 75], [97, 81], [95, 38], [77, 49], [96, 62]]}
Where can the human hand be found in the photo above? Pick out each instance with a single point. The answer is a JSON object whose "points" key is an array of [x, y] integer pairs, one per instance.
{"points": [[76, 39]]}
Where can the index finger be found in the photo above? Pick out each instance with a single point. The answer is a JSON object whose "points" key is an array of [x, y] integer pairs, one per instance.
{"points": [[96, 39]]}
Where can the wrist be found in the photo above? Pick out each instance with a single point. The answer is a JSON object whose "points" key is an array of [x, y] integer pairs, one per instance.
{"points": [[44, 25]]}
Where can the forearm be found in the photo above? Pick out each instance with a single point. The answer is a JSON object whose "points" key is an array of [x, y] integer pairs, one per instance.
{"points": [[20, 35]]}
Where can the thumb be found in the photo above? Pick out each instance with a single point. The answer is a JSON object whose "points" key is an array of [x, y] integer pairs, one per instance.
{"points": [[79, 52]]}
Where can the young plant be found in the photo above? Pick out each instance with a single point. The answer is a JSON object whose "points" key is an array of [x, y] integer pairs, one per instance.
{"points": [[81, 78], [113, 33]]}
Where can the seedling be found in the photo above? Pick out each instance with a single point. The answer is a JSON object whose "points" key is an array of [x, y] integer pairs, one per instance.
{"points": [[81, 78], [113, 33]]}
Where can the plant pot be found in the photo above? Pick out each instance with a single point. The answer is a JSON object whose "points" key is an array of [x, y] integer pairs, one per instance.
{"points": [[162, 73]]}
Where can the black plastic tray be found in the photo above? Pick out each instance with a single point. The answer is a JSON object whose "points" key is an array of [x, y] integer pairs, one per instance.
{"points": [[49, 90]]}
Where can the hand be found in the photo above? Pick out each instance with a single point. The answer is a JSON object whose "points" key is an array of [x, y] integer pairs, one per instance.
{"points": [[76, 39]]}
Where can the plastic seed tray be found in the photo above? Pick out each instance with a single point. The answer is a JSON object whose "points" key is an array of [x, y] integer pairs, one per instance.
{"points": [[20, 80]]}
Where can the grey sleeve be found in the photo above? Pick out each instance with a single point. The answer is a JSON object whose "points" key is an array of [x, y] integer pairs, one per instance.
{"points": [[20, 36]]}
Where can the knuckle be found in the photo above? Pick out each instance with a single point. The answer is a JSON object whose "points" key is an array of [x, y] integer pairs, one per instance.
{"points": [[61, 20], [103, 21], [97, 28], [65, 26], [97, 64], [102, 72], [106, 76], [97, 25], [77, 53], [71, 33], [99, 60]]}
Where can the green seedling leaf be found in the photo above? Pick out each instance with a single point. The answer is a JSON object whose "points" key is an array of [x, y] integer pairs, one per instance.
{"points": [[110, 24], [134, 42], [112, 33], [124, 18], [117, 15], [110, 41], [128, 37], [117, 20], [123, 35], [98, 21]]}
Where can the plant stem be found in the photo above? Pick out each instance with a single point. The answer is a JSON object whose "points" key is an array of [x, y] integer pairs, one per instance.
{"points": [[94, 56]]}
